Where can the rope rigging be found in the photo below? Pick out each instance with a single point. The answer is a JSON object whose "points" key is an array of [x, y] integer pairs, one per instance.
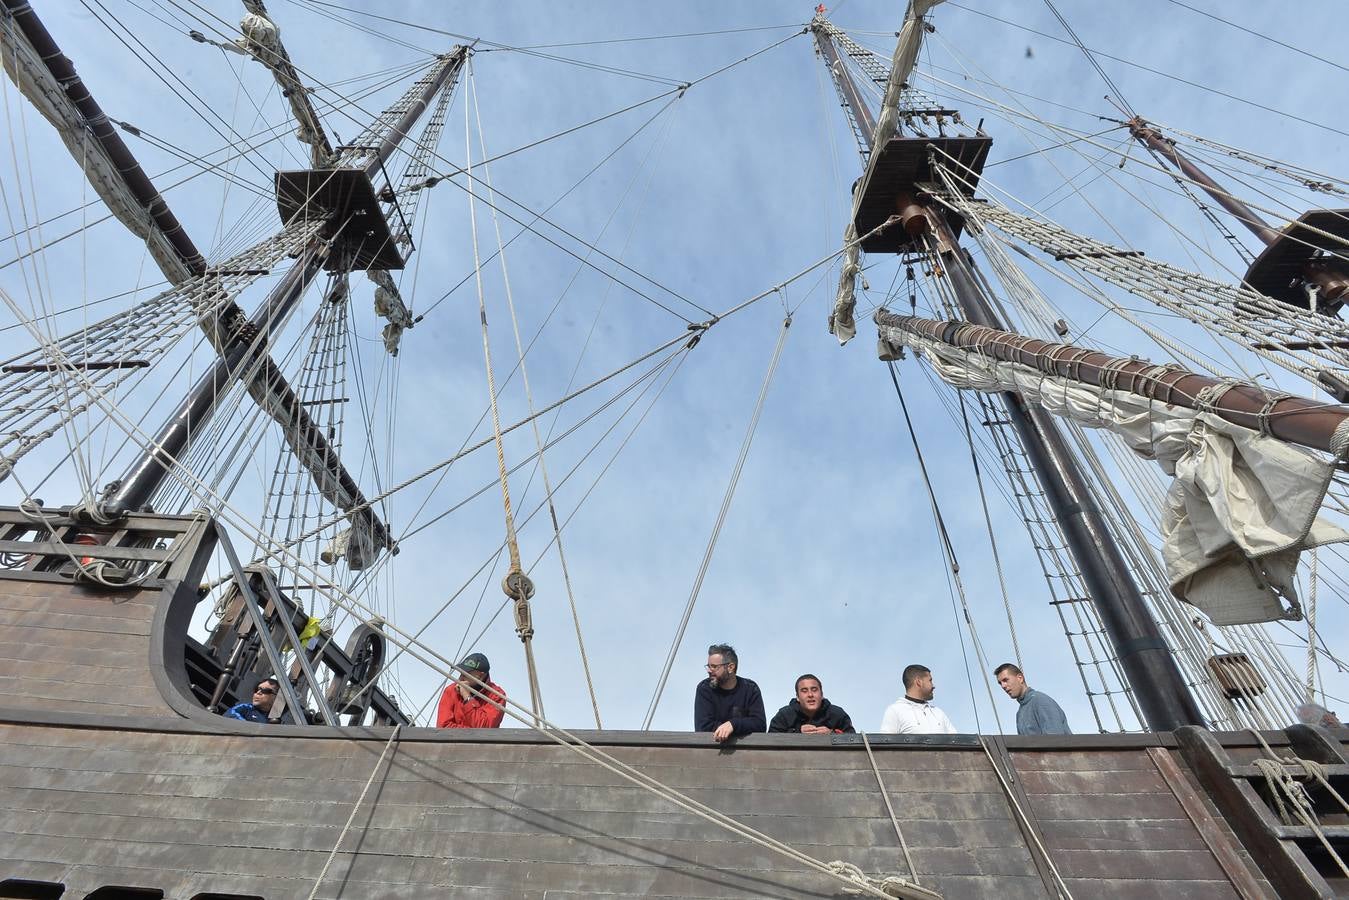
{"points": [[726, 499], [516, 585]]}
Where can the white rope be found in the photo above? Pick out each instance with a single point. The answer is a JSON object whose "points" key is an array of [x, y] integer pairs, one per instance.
{"points": [[1290, 796], [529, 400], [1026, 823], [1310, 610], [726, 499], [885, 795], [354, 809], [593, 754], [516, 583]]}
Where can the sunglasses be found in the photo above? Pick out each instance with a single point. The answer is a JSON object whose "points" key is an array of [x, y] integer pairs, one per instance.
{"points": [[265, 691]]}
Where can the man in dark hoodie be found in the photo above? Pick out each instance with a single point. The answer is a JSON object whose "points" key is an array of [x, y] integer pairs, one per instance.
{"points": [[810, 712]]}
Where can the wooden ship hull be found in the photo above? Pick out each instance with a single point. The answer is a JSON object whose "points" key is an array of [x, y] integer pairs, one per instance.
{"points": [[116, 781]]}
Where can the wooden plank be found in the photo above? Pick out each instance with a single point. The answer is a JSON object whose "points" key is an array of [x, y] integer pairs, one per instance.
{"points": [[1150, 889], [1215, 837], [1116, 834], [117, 657], [1081, 761]]}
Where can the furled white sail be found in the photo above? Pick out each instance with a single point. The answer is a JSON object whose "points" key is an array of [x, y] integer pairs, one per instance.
{"points": [[1241, 506], [841, 321]]}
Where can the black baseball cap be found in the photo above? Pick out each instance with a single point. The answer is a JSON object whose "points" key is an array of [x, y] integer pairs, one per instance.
{"points": [[476, 662]]}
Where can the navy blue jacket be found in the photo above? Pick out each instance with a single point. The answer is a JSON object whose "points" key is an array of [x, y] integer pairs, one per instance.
{"points": [[742, 706], [246, 711]]}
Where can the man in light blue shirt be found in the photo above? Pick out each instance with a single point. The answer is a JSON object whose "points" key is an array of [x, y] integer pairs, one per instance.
{"points": [[1036, 713]]}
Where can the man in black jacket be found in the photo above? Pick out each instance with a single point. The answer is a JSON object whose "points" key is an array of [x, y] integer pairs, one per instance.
{"points": [[810, 712], [724, 703]]}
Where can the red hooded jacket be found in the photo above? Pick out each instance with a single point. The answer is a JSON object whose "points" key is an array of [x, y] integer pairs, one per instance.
{"points": [[456, 712]]}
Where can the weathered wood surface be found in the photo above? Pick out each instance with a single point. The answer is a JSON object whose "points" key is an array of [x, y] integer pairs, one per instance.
{"points": [[186, 812], [1104, 812], [71, 649]]}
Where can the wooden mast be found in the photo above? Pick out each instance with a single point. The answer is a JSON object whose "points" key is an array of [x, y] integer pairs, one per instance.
{"points": [[1162, 693]]}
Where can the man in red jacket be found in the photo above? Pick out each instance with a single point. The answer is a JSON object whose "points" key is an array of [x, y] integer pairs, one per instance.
{"points": [[473, 701]]}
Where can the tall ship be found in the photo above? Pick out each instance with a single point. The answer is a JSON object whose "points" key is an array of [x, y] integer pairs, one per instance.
{"points": [[348, 347]]}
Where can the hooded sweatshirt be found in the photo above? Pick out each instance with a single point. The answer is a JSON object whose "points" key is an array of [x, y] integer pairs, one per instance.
{"points": [[456, 712], [791, 717]]}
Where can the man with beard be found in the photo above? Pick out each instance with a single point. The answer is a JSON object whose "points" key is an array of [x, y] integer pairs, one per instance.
{"points": [[810, 712], [726, 704], [914, 713]]}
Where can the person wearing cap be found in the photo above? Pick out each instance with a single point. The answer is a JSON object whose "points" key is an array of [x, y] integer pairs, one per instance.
{"points": [[473, 701], [264, 695]]}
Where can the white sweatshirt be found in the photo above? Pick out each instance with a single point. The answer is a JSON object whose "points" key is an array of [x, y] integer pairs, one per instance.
{"points": [[906, 716]]}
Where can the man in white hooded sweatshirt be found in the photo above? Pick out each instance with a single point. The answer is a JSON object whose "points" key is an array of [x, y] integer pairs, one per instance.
{"points": [[914, 713]]}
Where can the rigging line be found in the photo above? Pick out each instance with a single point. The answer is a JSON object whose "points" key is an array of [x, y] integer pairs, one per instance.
{"points": [[1171, 175], [1090, 58], [610, 155], [594, 483], [952, 570], [495, 45], [69, 430], [583, 259], [988, 523], [516, 584], [684, 337], [745, 59], [499, 46], [659, 37], [373, 32], [1261, 35], [649, 378], [716, 528], [1066, 143], [1152, 71], [672, 92], [1076, 190], [529, 400], [276, 132], [157, 74], [683, 356]]}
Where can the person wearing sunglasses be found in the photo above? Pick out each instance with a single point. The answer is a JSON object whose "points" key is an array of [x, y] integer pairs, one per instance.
{"points": [[726, 704], [264, 695]]}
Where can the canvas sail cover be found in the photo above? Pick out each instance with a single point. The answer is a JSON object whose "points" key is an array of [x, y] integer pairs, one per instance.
{"points": [[842, 325], [1241, 505]]}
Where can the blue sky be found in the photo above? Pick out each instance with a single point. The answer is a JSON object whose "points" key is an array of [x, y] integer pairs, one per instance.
{"points": [[828, 560]]}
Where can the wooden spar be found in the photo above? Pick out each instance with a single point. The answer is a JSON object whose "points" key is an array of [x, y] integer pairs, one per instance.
{"points": [[1304, 251], [101, 128], [1292, 419]]}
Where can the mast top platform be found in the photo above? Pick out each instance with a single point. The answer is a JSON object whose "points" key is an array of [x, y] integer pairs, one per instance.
{"points": [[1316, 240], [903, 170], [346, 199]]}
